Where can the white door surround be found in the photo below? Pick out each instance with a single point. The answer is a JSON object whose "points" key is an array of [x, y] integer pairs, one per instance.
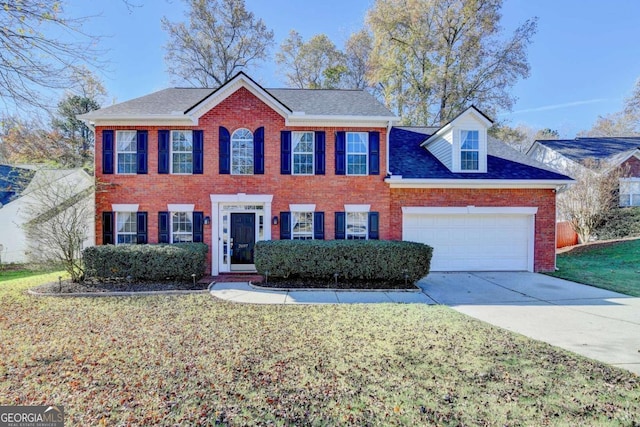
{"points": [[222, 205]]}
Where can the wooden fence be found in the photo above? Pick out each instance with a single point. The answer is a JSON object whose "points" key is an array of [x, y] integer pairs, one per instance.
{"points": [[565, 236]]}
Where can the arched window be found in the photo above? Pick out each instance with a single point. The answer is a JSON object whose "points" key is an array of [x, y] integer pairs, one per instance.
{"points": [[242, 152]]}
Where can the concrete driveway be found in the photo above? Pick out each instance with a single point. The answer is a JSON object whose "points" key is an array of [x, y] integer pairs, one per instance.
{"points": [[593, 322]]}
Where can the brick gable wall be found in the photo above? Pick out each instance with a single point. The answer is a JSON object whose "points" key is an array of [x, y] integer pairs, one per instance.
{"points": [[241, 110], [545, 220], [633, 163]]}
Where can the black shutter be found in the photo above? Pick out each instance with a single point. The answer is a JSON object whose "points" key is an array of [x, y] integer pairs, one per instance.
{"points": [[341, 226], [341, 153], [107, 228], [285, 152], [320, 152], [141, 224], [198, 152], [285, 225], [225, 150], [108, 152], [258, 151], [318, 225], [163, 227], [374, 153], [141, 151], [164, 151], [198, 227], [374, 225]]}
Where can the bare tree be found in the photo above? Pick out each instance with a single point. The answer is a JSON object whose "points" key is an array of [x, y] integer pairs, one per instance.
{"points": [[314, 64], [621, 123], [588, 201], [33, 52], [357, 52], [60, 208], [431, 59], [221, 39]]}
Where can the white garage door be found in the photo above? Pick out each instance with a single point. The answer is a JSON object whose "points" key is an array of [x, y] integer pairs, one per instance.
{"points": [[473, 241]]}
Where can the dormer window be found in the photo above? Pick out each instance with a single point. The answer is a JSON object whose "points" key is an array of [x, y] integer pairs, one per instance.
{"points": [[469, 150]]}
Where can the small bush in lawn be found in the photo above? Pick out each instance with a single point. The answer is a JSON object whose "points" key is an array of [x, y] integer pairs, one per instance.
{"points": [[146, 262], [620, 223], [371, 260]]}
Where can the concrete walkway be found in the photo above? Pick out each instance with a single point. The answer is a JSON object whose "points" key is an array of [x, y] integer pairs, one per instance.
{"points": [[245, 293], [593, 322]]}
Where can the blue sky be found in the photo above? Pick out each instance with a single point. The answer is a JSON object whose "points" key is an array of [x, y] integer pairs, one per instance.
{"points": [[584, 59]]}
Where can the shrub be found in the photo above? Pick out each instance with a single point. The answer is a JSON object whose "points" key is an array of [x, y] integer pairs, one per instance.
{"points": [[620, 223], [378, 260], [146, 262]]}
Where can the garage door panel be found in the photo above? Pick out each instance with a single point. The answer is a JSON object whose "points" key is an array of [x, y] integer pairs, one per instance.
{"points": [[473, 241]]}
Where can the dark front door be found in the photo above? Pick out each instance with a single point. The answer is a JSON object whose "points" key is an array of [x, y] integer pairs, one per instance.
{"points": [[243, 235]]}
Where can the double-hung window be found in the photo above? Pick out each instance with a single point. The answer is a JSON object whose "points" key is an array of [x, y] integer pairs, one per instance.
{"points": [[630, 192], [357, 225], [357, 153], [302, 225], [126, 151], [242, 152], [181, 152], [126, 228], [302, 153], [181, 227], [469, 150]]}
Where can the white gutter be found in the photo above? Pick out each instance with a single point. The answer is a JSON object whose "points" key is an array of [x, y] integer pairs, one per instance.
{"points": [[399, 182]]}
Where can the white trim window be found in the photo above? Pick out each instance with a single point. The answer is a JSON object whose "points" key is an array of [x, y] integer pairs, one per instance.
{"points": [[357, 226], [629, 192], [302, 225], [181, 152], [357, 153], [242, 152], [181, 227], [302, 153], [126, 151], [469, 150], [126, 228]]}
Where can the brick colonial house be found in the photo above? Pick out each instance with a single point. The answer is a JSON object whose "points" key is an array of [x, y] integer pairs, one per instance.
{"points": [[242, 163]]}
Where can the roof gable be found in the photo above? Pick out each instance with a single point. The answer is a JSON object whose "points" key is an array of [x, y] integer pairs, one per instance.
{"points": [[471, 112], [612, 149]]}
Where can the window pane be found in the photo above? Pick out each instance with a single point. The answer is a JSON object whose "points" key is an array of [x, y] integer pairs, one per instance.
{"points": [[127, 163], [126, 151], [302, 225], [182, 151], [357, 153], [242, 152], [126, 227], [302, 153], [126, 140], [182, 227], [469, 140], [469, 160], [357, 223]]}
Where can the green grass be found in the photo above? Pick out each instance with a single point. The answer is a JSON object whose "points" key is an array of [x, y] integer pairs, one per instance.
{"points": [[194, 360], [615, 266], [15, 271]]}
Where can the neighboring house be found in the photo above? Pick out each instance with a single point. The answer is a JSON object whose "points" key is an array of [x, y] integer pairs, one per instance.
{"points": [[22, 189], [242, 163], [567, 154]]}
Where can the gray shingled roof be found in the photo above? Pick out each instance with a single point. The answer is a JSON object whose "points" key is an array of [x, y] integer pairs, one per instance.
{"points": [[604, 148], [309, 101]]}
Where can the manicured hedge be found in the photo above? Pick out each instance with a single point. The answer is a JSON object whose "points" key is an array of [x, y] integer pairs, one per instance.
{"points": [[146, 262], [620, 223], [379, 260]]}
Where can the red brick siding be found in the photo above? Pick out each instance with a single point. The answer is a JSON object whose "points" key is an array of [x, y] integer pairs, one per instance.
{"points": [[545, 220], [242, 110]]}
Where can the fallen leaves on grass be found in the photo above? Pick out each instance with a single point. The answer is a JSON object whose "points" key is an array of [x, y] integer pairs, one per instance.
{"points": [[192, 360]]}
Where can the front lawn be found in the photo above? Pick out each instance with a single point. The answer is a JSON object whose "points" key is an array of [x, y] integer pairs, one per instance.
{"points": [[193, 360], [612, 266]]}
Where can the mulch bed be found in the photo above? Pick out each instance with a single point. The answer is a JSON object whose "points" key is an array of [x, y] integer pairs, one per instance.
{"points": [[331, 284]]}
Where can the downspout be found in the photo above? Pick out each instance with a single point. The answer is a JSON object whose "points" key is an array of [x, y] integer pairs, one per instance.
{"points": [[387, 148]]}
